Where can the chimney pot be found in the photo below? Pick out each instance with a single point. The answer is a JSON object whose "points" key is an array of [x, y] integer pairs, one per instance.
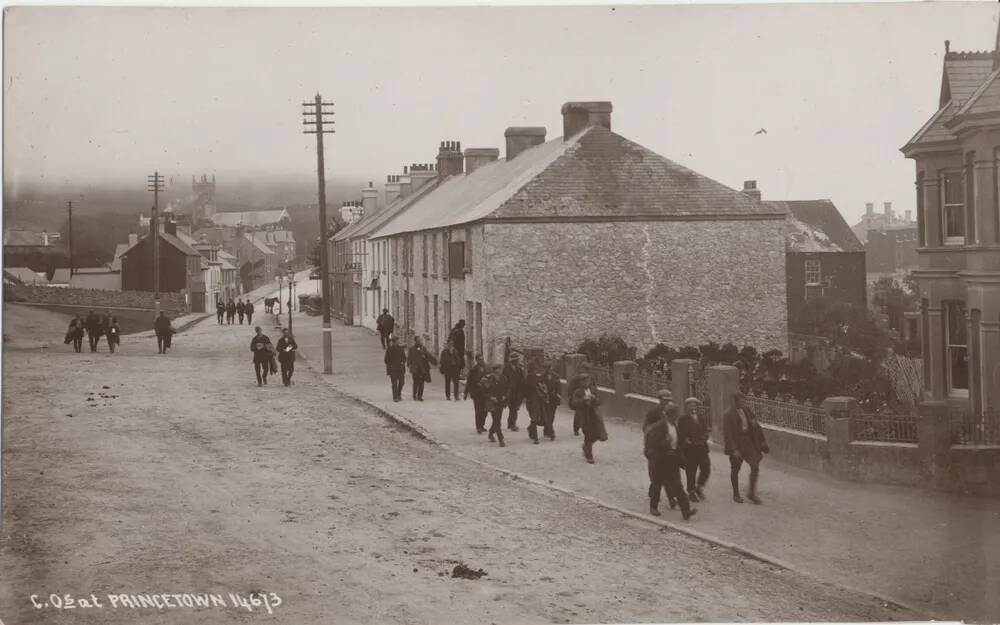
{"points": [[580, 115], [869, 208], [449, 160], [750, 189], [477, 157], [521, 138]]}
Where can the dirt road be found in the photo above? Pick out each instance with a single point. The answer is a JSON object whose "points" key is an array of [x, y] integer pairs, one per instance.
{"points": [[141, 474]]}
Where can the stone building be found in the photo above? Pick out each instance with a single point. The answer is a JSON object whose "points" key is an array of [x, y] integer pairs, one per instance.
{"points": [[180, 267], [585, 234], [957, 158], [890, 242]]}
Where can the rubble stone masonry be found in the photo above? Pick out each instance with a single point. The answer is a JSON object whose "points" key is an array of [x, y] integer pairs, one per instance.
{"points": [[552, 285]]}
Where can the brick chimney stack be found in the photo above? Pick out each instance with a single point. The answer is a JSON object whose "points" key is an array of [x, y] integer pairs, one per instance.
{"points": [[477, 157], [133, 239], [869, 209], [405, 182], [580, 115], [421, 174], [909, 216], [369, 198], [887, 207], [520, 138], [391, 189], [750, 189], [449, 159]]}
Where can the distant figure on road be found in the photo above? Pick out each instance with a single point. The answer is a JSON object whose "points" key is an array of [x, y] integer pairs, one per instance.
{"points": [[585, 402], [248, 311], [114, 334], [286, 356], [457, 338], [694, 445], [93, 323], [536, 400], [662, 448], [395, 367], [260, 348], [517, 380], [163, 331], [450, 367], [385, 324], [476, 374], [75, 333], [493, 388], [419, 360], [744, 442], [582, 378], [552, 384], [241, 310], [230, 311], [220, 311]]}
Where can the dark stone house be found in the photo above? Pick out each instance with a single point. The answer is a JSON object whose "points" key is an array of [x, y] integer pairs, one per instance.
{"points": [[180, 267]]}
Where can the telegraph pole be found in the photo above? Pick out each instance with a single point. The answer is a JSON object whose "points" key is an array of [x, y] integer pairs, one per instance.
{"points": [[315, 119], [155, 184], [69, 204]]}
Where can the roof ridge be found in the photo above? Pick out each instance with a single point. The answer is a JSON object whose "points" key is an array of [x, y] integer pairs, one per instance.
{"points": [[970, 55]]}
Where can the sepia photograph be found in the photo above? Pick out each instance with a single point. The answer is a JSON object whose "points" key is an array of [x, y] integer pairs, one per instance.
{"points": [[500, 314]]}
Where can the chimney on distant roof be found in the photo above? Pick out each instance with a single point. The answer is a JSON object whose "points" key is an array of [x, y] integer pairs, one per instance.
{"points": [[391, 189], [169, 226], [869, 209], [887, 207], [405, 182], [750, 189], [520, 138], [477, 157], [133, 239], [909, 217], [369, 198], [449, 159], [421, 174], [580, 115]]}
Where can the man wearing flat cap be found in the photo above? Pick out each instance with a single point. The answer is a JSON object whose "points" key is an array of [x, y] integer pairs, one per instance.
{"points": [[664, 457], [744, 442], [694, 443], [516, 377]]}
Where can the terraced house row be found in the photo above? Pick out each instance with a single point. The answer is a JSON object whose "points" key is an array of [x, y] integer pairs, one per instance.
{"points": [[562, 240]]}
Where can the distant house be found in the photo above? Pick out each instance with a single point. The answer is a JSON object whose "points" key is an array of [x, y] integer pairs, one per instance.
{"points": [[60, 278], [180, 267], [252, 219], [27, 239], [890, 241], [823, 257], [25, 276]]}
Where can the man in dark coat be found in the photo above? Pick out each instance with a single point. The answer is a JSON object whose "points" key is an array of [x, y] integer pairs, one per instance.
{"points": [[260, 349], [220, 311], [286, 356], [493, 386], [241, 310], [694, 445], [476, 374], [248, 311], [664, 458], [93, 324], [113, 332], [450, 366], [457, 338], [163, 331], [584, 402], [395, 367], [744, 442], [75, 333], [552, 384], [230, 312], [537, 401], [583, 377], [419, 361], [385, 324], [517, 383]]}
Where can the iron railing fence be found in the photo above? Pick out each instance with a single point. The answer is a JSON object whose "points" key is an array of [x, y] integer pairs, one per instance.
{"points": [[883, 427], [801, 417], [982, 429]]}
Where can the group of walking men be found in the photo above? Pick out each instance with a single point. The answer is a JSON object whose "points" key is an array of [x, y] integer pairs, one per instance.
{"points": [[232, 310], [94, 326], [264, 355]]}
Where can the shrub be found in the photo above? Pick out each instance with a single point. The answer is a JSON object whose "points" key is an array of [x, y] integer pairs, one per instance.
{"points": [[606, 350]]}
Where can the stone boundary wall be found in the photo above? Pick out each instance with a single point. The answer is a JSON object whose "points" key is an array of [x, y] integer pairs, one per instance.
{"points": [[171, 303]]}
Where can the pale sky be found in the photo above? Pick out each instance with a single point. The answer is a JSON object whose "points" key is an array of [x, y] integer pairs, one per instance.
{"points": [[110, 94]]}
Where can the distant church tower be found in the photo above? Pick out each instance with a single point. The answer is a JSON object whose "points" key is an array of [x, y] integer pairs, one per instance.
{"points": [[204, 198]]}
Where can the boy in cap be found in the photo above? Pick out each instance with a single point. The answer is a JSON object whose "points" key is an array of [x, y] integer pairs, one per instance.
{"points": [[492, 387], [744, 442], [694, 444]]}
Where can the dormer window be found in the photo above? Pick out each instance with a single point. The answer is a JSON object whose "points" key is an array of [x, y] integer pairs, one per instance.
{"points": [[953, 208]]}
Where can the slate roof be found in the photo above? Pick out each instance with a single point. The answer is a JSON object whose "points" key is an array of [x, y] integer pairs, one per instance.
{"points": [[985, 99], [172, 240], [25, 275], [816, 226], [963, 74], [371, 223], [60, 276], [260, 245], [595, 175], [250, 218], [24, 238], [116, 263]]}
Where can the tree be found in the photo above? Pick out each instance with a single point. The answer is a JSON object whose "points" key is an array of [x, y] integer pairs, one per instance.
{"points": [[313, 258], [847, 325], [893, 299], [96, 236]]}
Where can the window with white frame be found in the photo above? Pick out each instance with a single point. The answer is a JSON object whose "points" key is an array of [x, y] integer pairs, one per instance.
{"points": [[953, 207], [813, 275], [957, 345]]}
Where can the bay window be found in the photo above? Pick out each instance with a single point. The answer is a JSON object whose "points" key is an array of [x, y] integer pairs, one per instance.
{"points": [[953, 208], [956, 348]]}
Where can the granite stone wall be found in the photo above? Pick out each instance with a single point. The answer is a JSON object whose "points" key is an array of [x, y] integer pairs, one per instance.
{"points": [[172, 303]]}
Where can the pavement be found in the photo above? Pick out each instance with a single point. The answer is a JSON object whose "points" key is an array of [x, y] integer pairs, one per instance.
{"points": [[922, 549]]}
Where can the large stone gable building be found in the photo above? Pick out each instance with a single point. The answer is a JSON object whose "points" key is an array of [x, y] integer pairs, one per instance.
{"points": [[957, 157], [585, 234]]}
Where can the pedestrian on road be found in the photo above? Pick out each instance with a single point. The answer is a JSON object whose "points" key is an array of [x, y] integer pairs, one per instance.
{"points": [[260, 348], [163, 331], [450, 367], [114, 334], [93, 323], [582, 378], [420, 360], [493, 386], [457, 338], [517, 385], [476, 374], [664, 457], [248, 310], [241, 310], [585, 401], [552, 385], [286, 356], [694, 445], [385, 324], [75, 333], [536, 399], [220, 311], [744, 442], [230, 311], [395, 367]]}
